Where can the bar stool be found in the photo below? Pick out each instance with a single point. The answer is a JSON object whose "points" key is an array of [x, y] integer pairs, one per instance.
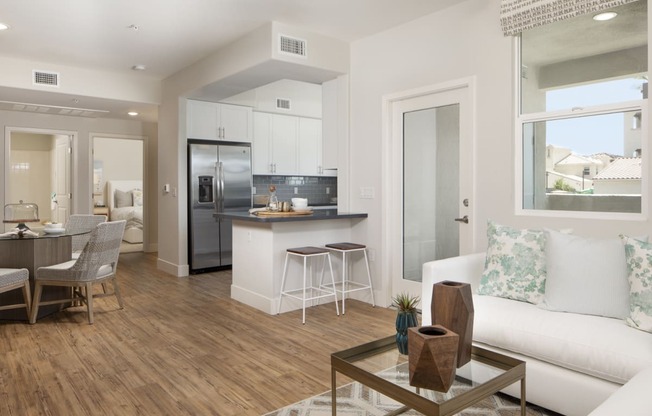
{"points": [[348, 285], [11, 279], [315, 292]]}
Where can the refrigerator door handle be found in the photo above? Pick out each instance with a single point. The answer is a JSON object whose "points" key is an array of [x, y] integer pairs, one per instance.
{"points": [[219, 175]]}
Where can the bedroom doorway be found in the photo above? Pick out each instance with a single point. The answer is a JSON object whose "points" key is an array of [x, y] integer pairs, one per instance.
{"points": [[118, 185]]}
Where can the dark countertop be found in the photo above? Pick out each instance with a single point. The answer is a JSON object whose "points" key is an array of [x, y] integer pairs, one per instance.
{"points": [[318, 214]]}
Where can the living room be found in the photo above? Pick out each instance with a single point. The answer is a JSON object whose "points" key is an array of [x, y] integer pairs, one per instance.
{"points": [[463, 41]]}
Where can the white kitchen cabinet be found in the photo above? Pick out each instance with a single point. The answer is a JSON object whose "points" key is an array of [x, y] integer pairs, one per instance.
{"points": [[275, 144], [287, 145], [310, 137], [216, 121], [285, 135], [261, 153]]}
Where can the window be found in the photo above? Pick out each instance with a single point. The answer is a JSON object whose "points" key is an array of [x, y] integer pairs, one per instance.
{"points": [[583, 113]]}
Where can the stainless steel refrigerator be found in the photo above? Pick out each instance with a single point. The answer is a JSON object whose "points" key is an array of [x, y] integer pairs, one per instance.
{"points": [[219, 180]]}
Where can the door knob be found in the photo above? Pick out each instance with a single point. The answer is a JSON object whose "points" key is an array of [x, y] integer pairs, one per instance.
{"points": [[464, 219]]}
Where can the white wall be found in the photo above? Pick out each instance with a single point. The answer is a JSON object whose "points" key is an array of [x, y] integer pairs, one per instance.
{"points": [[462, 41], [132, 86], [305, 98]]}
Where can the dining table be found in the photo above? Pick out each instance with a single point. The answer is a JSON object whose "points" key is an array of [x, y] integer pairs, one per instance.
{"points": [[31, 251]]}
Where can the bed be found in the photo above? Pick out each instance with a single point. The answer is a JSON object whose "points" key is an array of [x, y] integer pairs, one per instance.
{"points": [[125, 202]]}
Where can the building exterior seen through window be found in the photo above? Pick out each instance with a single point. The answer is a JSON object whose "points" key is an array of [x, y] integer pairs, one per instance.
{"points": [[583, 113]]}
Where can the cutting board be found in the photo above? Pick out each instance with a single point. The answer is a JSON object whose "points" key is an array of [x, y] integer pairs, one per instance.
{"points": [[281, 214]]}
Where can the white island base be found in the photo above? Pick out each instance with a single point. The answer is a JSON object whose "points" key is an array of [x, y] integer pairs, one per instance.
{"points": [[259, 254]]}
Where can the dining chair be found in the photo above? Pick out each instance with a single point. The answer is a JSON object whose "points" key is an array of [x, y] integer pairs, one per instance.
{"points": [[97, 263], [79, 223], [11, 279]]}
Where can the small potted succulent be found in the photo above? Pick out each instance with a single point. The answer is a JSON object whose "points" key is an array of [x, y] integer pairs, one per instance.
{"points": [[406, 317]]}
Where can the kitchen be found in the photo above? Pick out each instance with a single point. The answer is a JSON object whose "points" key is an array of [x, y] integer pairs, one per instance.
{"points": [[292, 128]]}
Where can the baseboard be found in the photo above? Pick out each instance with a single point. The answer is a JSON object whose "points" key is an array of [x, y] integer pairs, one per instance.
{"points": [[173, 269], [253, 299]]}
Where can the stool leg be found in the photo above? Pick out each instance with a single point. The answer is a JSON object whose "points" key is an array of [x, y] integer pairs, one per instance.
{"points": [[371, 289], [344, 277], [305, 262], [285, 270], [330, 266]]}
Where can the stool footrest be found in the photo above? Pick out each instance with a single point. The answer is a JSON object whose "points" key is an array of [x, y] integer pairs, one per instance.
{"points": [[358, 286], [298, 293]]}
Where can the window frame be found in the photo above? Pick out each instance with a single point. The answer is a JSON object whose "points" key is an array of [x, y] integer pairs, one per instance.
{"points": [[522, 119]]}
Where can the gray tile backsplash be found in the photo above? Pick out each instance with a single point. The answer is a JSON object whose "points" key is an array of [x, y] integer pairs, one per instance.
{"points": [[318, 189]]}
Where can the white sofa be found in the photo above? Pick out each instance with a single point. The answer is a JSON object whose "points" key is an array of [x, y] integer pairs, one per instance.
{"points": [[574, 362]]}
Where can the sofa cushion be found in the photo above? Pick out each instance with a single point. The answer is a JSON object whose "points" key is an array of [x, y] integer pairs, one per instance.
{"points": [[639, 269], [602, 347], [586, 275], [515, 266]]}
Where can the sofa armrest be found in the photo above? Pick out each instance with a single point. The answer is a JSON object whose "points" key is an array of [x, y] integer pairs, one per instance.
{"points": [[632, 399], [467, 268]]}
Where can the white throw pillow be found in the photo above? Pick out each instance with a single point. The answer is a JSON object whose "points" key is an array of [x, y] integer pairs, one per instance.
{"points": [[586, 275], [515, 266], [639, 269], [123, 199]]}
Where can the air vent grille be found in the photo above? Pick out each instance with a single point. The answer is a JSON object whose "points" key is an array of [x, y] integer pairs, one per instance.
{"points": [[50, 79], [293, 46], [283, 103]]}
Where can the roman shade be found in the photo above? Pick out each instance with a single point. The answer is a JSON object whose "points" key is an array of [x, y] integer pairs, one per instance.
{"points": [[519, 15]]}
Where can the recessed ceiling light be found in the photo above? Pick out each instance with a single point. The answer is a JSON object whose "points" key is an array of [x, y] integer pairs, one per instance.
{"points": [[605, 16], [4, 26], [132, 113], [138, 67]]}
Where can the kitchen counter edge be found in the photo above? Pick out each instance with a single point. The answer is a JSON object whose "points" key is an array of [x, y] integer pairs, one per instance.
{"points": [[321, 214]]}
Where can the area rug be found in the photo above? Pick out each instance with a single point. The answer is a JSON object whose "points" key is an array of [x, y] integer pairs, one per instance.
{"points": [[355, 399]]}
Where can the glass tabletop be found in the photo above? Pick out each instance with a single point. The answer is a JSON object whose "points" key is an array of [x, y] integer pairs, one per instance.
{"points": [[380, 366]]}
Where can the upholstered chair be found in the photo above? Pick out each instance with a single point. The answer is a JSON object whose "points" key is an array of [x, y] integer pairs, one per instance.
{"points": [[97, 263], [79, 223], [12, 279]]}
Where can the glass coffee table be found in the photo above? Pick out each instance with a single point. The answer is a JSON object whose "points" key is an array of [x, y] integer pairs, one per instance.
{"points": [[379, 366]]}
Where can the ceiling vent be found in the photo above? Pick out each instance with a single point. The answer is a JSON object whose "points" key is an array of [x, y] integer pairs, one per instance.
{"points": [[282, 103], [49, 79], [292, 46]]}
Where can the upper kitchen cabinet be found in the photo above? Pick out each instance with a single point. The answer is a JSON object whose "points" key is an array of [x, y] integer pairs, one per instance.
{"points": [[310, 147], [217, 121], [275, 144]]}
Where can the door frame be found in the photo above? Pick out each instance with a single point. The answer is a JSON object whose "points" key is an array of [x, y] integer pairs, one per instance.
{"points": [[146, 190], [4, 176], [392, 179]]}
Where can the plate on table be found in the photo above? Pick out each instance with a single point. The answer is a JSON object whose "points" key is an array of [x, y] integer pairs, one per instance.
{"points": [[307, 209], [54, 230]]}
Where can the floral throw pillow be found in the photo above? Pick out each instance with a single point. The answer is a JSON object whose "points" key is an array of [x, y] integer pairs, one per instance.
{"points": [[515, 266], [639, 270], [138, 197]]}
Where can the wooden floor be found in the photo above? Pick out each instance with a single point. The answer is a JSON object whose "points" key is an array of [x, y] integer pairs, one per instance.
{"points": [[181, 346]]}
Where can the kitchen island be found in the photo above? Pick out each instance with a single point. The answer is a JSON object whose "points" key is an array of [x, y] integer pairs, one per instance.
{"points": [[259, 246]]}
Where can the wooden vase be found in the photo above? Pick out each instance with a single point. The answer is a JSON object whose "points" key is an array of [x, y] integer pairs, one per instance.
{"points": [[452, 308], [432, 357]]}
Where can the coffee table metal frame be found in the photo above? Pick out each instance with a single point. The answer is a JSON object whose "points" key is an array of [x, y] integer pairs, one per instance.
{"points": [[344, 362]]}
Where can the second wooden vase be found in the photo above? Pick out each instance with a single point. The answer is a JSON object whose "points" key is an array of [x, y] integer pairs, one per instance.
{"points": [[432, 357], [452, 307]]}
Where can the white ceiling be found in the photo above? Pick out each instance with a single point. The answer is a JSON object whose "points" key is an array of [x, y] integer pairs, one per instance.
{"points": [[173, 34]]}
